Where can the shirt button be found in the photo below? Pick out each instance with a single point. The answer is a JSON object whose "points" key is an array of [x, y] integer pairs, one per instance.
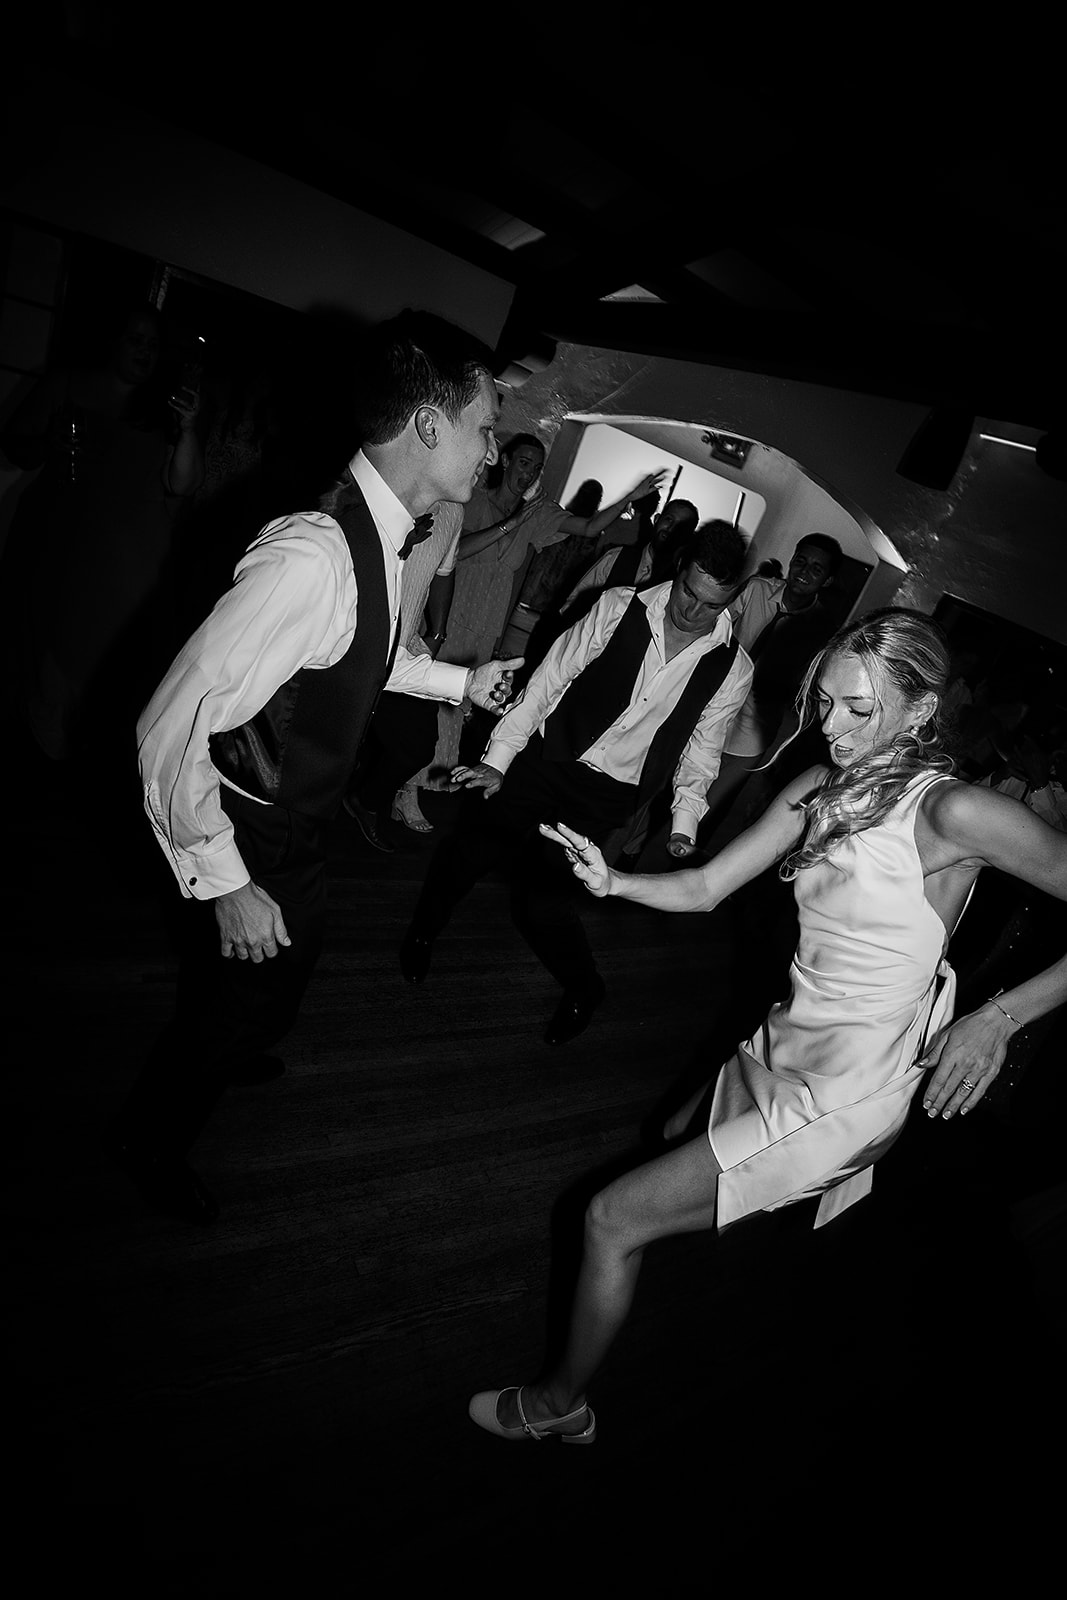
{"points": [[192, 881]]}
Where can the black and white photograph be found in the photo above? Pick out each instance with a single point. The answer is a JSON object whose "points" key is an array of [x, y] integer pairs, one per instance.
{"points": [[533, 558]]}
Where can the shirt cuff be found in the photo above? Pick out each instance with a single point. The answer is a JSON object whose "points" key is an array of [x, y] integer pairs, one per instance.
{"points": [[449, 681], [685, 821], [499, 755], [422, 676], [208, 877], [201, 876]]}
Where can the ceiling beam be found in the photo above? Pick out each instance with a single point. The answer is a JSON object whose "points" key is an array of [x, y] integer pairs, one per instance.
{"points": [[934, 367]]}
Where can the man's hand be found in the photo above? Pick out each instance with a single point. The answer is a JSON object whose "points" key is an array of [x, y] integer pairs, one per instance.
{"points": [[481, 776], [490, 686], [251, 925], [679, 846]]}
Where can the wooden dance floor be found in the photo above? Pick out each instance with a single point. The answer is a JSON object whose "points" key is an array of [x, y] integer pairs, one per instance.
{"points": [[280, 1399]]}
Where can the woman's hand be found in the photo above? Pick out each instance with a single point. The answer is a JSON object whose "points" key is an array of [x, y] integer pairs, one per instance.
{"points": [[650, 481], [524, 508], [587, 862], [966, 1057]]}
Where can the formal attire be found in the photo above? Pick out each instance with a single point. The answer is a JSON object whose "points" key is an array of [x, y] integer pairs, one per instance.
{"points": [[823, 1089], [781, 644], [404, 731], [621, 565], [246, 749], [605, 721]]}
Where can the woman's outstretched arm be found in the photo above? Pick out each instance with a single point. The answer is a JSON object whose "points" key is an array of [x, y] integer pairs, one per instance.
{"points": [[700, 888], [591, 527]]}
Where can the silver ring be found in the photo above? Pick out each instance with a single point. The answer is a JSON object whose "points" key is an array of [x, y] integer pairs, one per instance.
{"points": [[965, 1083]]}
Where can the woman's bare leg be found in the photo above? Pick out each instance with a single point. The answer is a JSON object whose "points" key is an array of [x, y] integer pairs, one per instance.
{"points": [[406, 804], [673, 1194]]}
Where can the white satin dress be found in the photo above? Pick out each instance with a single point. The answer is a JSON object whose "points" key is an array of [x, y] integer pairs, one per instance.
{"points": [[812, 1100]]}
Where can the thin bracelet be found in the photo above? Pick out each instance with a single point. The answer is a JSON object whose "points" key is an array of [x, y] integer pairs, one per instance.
{"points": [[995, 1002]]}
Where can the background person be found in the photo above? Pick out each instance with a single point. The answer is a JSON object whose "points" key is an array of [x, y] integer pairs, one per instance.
{"points": [[548, 577], [89, 546], [637, 695], [501, 531], [781, 623], [650, 559], [553, 570]]}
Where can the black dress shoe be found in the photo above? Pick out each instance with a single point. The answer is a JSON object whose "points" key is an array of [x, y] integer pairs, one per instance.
{"points": [[369, 825], [261, 1069], [574, 1013], [415, 953], [165, 1182]]}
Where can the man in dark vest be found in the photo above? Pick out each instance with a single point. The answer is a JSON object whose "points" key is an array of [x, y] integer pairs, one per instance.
{"points": [[248, 744], [636, 695], [637, 565], [782, 623]]}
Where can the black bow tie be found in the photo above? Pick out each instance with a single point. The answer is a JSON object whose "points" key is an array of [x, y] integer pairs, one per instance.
{"points": [[421, 529]]}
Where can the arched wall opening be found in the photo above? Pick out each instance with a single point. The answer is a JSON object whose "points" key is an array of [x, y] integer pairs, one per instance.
{"points": [[773, 499]]}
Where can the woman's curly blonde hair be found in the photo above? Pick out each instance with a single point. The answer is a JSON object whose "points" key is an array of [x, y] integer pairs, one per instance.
{"points": [[902, 650]]}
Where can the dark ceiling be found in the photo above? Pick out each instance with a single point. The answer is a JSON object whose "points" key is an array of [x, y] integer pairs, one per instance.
{"points": [[898, 232]]}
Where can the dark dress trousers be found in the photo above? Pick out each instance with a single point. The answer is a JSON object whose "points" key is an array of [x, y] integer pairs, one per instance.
{"points": [[547, 782]]}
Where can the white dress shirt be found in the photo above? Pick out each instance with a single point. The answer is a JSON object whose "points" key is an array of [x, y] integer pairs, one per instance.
{"points": [[600, 572], [434, 558], [293, 604], [620, 752], [759, 602]]}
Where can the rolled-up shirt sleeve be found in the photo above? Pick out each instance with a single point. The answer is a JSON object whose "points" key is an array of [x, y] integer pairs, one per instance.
{"points": [[620, 750], [570, 654], [698, 766], [292, 605]]}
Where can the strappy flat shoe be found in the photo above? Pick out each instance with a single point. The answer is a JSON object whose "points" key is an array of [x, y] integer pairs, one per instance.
{"points": [[483, 1411]]}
